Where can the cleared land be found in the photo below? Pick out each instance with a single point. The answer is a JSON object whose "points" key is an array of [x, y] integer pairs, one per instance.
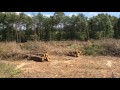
{"points": [[61, 65]]}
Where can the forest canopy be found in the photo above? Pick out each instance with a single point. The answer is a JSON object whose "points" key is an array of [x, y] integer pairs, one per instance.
{"points": [[21, 27]]}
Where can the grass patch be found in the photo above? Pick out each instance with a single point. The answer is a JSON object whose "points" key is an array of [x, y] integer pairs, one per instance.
{"points": [[8, 71]]}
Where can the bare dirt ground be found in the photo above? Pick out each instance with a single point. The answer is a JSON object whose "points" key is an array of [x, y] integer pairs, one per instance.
{"points": [[70, 67]]}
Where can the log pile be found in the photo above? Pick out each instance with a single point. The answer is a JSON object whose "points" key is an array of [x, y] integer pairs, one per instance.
{"points": [[75, 53], [40, 57]]}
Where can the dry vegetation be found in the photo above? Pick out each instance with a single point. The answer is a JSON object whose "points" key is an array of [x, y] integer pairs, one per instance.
{"points": [[99, 59]]}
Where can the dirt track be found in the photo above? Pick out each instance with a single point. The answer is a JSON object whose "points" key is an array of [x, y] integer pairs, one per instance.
{"points": [[70, 67]]}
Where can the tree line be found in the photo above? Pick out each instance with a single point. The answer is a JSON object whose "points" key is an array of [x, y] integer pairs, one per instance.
{"points": [[21, 27]]}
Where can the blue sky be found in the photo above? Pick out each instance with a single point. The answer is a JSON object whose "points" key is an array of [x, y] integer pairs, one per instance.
{"points": [[88, 14]]}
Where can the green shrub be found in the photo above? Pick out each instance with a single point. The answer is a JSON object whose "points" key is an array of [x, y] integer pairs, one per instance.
{"points": [[102, 49], [93, 50], [73, 47]]}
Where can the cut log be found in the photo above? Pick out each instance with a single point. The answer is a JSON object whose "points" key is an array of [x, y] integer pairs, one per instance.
{"points": [[38, 57], [74, 53]]}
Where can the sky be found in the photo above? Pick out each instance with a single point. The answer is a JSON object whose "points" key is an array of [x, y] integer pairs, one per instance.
{"points": [[88, 14]]}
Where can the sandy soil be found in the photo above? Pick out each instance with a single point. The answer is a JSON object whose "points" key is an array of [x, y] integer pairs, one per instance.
{"points": [[70, 67]]}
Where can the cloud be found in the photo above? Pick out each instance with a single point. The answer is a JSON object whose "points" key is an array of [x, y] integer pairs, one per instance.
{"points": [[90, 14], [47, 15], [72, 14], [25, 13], [17, 13], [29, 15]]}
